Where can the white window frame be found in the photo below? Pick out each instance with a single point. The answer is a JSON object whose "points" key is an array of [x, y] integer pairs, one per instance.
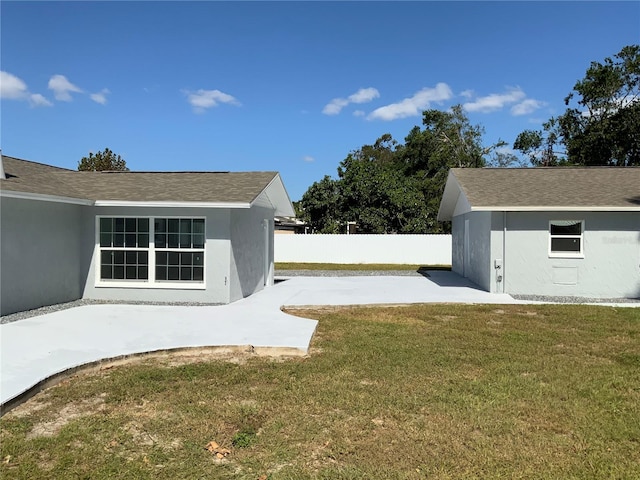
{"points": [[151, 282], [566, 254]]}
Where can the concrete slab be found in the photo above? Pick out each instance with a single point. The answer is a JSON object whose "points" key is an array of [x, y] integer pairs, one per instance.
{"points": [[38, 348]]}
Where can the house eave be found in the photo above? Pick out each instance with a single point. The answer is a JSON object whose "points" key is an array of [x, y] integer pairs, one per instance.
{"points": [[554, 208], [44, 198], [170, 204]]}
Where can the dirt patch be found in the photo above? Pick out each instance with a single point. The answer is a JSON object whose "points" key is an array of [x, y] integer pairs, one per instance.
{"points": [[70, 412]]}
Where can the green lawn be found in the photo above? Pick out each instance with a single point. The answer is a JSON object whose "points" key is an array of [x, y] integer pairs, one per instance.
{"points": [[434, 391], [358, 266]]}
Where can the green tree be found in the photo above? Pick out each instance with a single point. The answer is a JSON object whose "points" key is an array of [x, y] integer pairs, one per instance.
{"points": [[389, 187], [102, 161], [602, 127], [320, 206]]}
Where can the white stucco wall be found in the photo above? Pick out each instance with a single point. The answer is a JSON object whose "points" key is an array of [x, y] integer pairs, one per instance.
{"points": [[41, 254], [217, 253], [611, 263], [362, 248], [251, 251]]}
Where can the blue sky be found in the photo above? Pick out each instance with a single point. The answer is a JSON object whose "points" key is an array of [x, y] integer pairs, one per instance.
{"points": [[286, 86]]}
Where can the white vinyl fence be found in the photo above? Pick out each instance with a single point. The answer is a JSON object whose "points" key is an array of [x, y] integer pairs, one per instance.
{"points": [[398, 249]]}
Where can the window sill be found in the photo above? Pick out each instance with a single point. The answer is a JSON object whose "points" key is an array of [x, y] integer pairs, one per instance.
{"points": [[153, 286], [566, 255]]}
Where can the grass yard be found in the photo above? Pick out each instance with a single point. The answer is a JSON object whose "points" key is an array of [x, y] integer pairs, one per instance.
{"points": [[432, 391], [358, 266]]}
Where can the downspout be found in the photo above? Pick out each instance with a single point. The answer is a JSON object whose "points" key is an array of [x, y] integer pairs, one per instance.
{"points": [[504, 247]]}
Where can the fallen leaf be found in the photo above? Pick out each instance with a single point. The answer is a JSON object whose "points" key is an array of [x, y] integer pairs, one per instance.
{"points": [[216, 449]]}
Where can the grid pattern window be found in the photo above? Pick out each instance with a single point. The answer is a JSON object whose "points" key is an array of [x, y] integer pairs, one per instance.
{"points": [[121, 244], [179, 249], [565, 237], [175, 254]]}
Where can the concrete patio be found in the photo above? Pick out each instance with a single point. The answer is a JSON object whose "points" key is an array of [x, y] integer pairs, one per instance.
{"points": [[40, 347]]}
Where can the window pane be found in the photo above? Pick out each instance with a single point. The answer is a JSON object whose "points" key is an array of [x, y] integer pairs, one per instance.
{"points": [[198, 241], [106, 272], [160, 225], [174, 258], [185, 273], [105, 257], [173, 240], [185, 240], [198, 225], [198, 258], [161, 258], [105, 225], [198, 273], [118, 272], [118, 257], [565, 245], [130, 240], [173, 225], [143, 258], [161, 272], [131, 271], [186, 258], [118, 240], [131, 258], [119, 224], [105, 239], [161, 240], [130, 225], [185, 225], [143, 225], [143, 240], [566, 228], [143, 273], [173, 273]]}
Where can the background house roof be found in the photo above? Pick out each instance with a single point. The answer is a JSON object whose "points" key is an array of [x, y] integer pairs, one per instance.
{"points": [[239, 189], [555, 188]]}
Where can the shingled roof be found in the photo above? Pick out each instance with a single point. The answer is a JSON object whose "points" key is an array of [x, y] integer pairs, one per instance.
{"points": [[529, 189], [240, 189]]}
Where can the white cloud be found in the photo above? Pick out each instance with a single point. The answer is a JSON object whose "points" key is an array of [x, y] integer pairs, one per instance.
{"points": [[467, 93], [101, 96], [358, 113], [14, 88], [526, 107], [495, 101], [363, 95], [37, 100], [413, 106], [203, 99], [62, 88], [308, 159]]}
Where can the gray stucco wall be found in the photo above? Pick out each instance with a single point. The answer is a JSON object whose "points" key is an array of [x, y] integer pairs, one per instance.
{"points": [[217, 253], [472, 259], [41, 252], [611, 263], [251, 251]]}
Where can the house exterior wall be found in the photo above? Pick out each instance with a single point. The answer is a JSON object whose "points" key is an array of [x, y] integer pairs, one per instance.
{"points": [[216, 257], [251, 262], [40, 243], [471, 251], [610, 267]]}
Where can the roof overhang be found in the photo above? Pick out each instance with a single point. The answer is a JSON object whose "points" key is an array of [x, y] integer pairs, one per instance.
{"points": [[161, 204], [44, 198], [275, 196], [450, 198]]}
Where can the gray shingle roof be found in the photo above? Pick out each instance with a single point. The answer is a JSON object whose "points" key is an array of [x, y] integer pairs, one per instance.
{"points": [[550, 187], [207, 187], [599, 188]]}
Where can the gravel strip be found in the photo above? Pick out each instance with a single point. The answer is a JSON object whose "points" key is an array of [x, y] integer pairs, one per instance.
{"points": [[568, 299]]}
